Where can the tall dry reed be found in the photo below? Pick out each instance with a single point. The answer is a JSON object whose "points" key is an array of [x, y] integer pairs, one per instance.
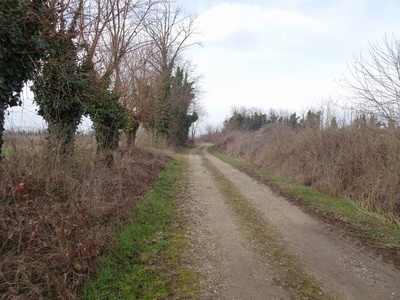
{"points": [[360, 162]]}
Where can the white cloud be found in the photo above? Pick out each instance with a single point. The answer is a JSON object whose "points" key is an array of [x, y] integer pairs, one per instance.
{"points": [[227, 18], [284, 53]]}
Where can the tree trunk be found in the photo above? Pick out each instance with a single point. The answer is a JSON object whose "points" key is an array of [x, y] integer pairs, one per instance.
{"points": [[61, 139], [2, 113]]}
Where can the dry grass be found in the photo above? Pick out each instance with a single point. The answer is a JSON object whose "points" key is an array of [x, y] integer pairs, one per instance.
{"points": [[58, 215], [360, 162], [148, 140]]}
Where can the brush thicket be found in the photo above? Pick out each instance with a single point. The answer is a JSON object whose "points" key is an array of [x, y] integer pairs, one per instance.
{"points": [[360, 162], [58, 214]]}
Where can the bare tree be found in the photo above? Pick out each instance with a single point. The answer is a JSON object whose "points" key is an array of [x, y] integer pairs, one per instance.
{"points": [[374, 82], [139, 92], [209, 129], [111, 33], [202, 116], [134, 46], [171, 32], [109, 30]]}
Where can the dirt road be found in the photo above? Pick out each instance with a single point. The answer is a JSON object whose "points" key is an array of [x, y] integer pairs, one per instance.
{"points": [[290, 254]]}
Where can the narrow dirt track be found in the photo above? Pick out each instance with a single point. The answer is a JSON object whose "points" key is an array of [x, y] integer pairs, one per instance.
{"points": [[230, 267]]}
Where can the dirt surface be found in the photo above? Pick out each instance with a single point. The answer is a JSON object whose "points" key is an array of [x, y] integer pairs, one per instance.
{"points": [[230, 267]]}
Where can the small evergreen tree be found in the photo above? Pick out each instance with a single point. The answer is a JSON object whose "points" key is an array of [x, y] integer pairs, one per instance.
{"points": [[311, 120], [294, 120]]}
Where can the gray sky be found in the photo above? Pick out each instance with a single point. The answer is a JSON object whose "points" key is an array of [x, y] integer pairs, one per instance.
{"points": [[285, 54]]}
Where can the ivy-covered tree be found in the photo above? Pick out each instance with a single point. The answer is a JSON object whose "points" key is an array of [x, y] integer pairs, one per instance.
{"points": [[131, 127], [162, 118], [110, 38], [169, 31], [181, 98], [103, 106], [60, 85], [109, 117], [21, 30]]}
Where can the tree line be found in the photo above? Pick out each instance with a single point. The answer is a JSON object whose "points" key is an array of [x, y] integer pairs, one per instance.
{"points": [[370, 91], [253, 119], [119, 63]]}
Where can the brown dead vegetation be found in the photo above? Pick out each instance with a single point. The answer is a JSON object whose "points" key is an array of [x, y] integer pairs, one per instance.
{"points": [[57, 216], [360, 162]]}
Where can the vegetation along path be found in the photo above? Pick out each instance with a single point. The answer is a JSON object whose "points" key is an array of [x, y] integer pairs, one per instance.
{"points": [[249, 243]]}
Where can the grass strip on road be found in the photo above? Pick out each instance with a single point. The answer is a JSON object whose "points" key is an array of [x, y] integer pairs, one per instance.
{"points": [[376, 231], [265, 240], [148, 261]]}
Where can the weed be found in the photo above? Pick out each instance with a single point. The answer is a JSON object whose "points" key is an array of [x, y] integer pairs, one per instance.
{"points": [[147, 261], [58, 215], [375, 230], [264, 239], [359, 162]]}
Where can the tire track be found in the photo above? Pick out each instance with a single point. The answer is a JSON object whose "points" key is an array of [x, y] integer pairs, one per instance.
{"points": [[341, 266], [230, 268]]}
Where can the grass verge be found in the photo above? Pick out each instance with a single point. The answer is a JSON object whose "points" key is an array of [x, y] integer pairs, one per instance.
{"points": [[376, 231], [290, 275], [148, 261]]}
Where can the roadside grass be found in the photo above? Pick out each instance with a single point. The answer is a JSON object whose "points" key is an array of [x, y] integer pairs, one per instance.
{"points": [[378, 231], [147, 263], [299, 284]]}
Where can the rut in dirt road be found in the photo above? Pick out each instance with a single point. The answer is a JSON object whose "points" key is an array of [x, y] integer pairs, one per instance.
{"points": [[236, 264]]}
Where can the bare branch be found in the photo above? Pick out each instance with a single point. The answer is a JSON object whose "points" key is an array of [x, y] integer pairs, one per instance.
{"points": [[374, 83]]}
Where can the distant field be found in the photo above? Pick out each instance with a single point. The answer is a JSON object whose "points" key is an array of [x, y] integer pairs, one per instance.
{"points": [[19, 141]]}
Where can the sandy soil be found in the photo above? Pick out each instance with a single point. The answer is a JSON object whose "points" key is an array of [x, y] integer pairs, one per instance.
{"points": [[230, 269]]}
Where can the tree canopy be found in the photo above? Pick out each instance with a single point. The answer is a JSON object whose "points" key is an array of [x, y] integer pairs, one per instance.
{"points": [[118, 63]]}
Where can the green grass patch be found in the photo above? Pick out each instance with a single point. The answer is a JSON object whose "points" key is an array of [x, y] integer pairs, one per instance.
{"points": [[264, 239], [6, 151], [147, 261], [376, 230]]}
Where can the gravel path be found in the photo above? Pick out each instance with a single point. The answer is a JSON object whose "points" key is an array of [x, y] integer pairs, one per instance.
{"points": [[229, 267]]}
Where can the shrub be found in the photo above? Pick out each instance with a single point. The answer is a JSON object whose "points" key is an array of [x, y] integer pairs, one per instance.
{"points": [[359, 161], [58, 215]]}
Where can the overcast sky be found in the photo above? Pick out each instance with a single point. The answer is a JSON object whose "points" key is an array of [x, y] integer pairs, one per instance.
{"points": [[285, 54]]}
